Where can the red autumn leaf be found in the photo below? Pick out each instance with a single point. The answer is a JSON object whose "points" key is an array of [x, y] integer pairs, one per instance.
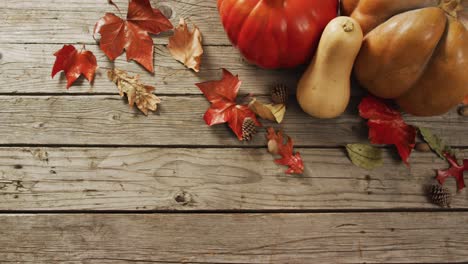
{"points": [[386, 126], [222, 96], [276, 145], [455, 171], [132, 34], [74, 63]]}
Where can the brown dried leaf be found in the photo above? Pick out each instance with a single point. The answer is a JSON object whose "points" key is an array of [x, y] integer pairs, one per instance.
{"points": [[186, 46], [272, 112], [137, 93]]}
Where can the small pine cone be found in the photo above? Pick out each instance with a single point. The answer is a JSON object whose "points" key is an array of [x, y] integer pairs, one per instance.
{"points": [[279, 94], [440, 195], [248, 129]]}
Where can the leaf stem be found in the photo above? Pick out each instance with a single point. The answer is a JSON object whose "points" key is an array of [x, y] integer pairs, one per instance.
{"points": [[110, 2]]}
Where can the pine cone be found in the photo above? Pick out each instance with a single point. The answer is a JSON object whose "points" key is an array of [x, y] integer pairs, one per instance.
{"points": [[248, 129], [279, 94], [440, 195]]}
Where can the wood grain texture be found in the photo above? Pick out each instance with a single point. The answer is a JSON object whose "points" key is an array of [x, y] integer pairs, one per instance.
{"points": [[26, 68], [72, 21], [236, 238], [108, 120], [209, 179]]}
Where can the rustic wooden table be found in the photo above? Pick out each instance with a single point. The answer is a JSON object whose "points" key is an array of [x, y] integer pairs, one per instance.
{"points": [[86, 179]]}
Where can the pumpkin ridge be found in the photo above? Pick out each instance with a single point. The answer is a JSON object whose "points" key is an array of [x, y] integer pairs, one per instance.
{"points": [[246, 18]]}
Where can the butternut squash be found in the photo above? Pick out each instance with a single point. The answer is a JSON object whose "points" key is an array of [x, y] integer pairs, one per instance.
{"points": [[324, 88]]}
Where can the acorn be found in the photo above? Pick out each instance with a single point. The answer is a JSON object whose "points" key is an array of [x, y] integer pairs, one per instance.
{"points": [[279, 94], [463, 111], [249, 129], [423, 147], [440, 195]]}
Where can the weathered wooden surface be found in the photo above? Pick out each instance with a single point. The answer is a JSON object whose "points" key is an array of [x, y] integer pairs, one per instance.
{"points": [[26, 68], [72, 21], [236, 238], [208, 179], [107, 120], [84, 150]]}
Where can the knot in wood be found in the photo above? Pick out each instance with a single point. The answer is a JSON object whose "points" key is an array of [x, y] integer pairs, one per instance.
{"points": [[183, 198]]}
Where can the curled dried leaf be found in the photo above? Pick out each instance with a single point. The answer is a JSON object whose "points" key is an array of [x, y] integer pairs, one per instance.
{"points": [[137, 93], [186, 46], [272, 112]]}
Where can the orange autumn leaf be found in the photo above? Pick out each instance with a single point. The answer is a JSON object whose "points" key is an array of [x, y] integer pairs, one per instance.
{"points": [[186, 46]]}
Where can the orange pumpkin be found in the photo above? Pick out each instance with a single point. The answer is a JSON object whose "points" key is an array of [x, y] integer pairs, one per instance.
{"points": [[414, 51]]}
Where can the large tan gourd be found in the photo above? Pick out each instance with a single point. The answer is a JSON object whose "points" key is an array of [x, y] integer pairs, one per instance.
{"points": [[414, 51], [324, 89]]}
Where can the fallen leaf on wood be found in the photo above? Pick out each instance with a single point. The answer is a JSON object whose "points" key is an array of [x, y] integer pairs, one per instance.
{"points": [[74, 63], [132, 34], [365, 156], [278, 146], [222, 96], [186, 46], [137, 93], [272, 112], [455, 171], [386, 126], [436, 143]]}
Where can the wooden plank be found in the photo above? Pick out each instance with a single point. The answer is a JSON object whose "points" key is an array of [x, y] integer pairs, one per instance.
{"points": [[236, 238], [26, 68], [107, 120], [209, 179], [72, 21]]}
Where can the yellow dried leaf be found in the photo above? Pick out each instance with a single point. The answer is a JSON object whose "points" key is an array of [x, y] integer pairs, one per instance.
{"points": [[137, 93], [186, 46], [272, 112]]}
